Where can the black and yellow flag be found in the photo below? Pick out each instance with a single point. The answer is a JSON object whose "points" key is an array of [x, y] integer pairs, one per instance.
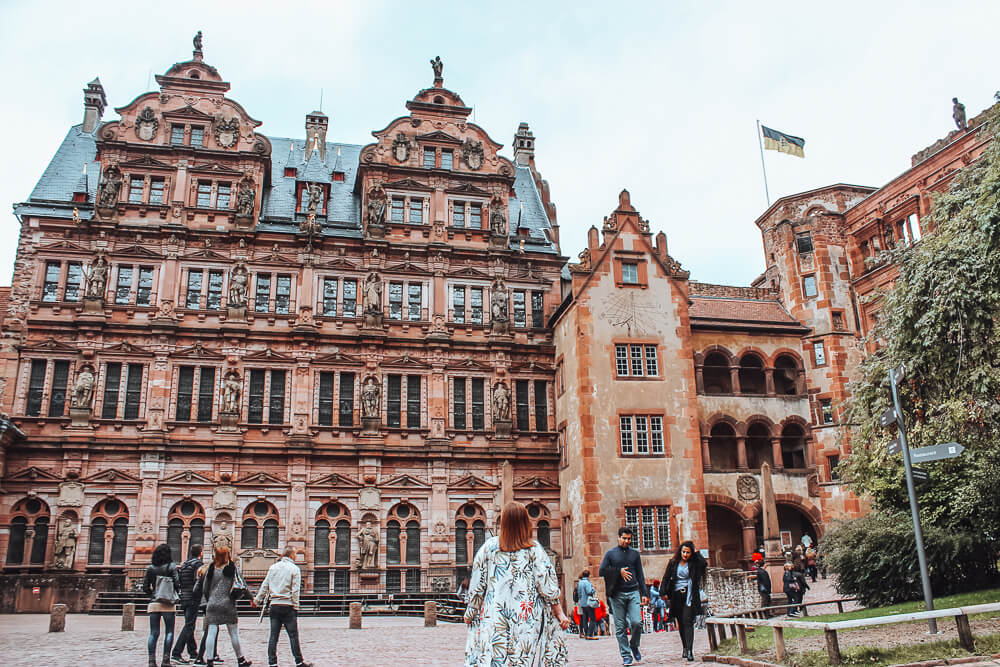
{"points": [[785, 143]]}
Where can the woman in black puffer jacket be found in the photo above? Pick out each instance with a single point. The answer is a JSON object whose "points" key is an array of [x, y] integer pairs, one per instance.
{"points": [[164, 594]]}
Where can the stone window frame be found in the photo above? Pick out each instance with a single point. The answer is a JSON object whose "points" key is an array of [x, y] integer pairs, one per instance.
{"points": [[98, 511], [658, 509], [413, 515], [213, 193], [404, 374], [468, 286], [819, 354], [827, 413], [467, 201], [563, 443], [628, 344], [634, 434], [133, 295], [462, 514], [184, 270], [333, 512], [567, 535], [265, 423], [64, 262], [469, 423], [259, 519], [408, 197], [175, 377], [320, 306], [337, 370], [550, 401], [99, 385], [24, 381], [406, 281], [642, 269], [187, 521], [31, 522], [805, 286], [272, 299], [146, 192]]}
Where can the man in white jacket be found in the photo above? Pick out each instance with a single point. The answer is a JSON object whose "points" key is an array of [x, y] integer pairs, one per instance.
{"points": [[282, 585]]}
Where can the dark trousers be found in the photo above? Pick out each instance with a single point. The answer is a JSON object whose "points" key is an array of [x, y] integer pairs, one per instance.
{"points": [[154, 633], [685, 621], [765, 601], [588, 619], [283, 615], [186, 636]]}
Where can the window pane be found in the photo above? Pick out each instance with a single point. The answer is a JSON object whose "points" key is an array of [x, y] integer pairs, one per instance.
{"points": [[651, 368], [416, 211], [446, 159], [133, 391], [476, 305], [621, 359], [282, 294], [458, 304], [326, 399], [809, 283], [197, 136], [663, 527], [95, 555], [248, 534], [413, 301], [475, 216], [393, 400], [330, 297], [641, 436], [820, 353], [269, 539], [215, 279], [398, 205], [636, 355], [412, 545], [458, 403], [395, 301], [263, 295], [321, 543], [176, 134], [350, 297], [413, 401], [461, 546], [255, 410], [112, 382], [119, 541], [458, 214], [521, 387], [57, 394], [174, 530], [156, 191], [478, 404], [429, 158], [206, 394], [656, 434], [193, 300], [135, 190], [648, 541], [50, 288], [222, 200], [204, 194], [15, 542], [74, 276], [346, 399], [625, 426], [541, 406], [392, 545], [342, 550], [144, 292], [124, 287], [519, 312], [537, 310], [630, 273], [276, 402], [632, 521], [804, 243], [185, 392], [36, 387]]}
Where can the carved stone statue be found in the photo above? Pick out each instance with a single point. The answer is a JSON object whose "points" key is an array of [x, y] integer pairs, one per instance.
{"points": [[245, 197], [370, 403], [111, 185], [239, 280], [83, 388], [368, 543], [65, 548], [315, 197], [231, 388], [222, 536], [958, 113], [97, 277], [498, 302], [501, 402], [373, 293], [498, 221], [376, 210], [197, 41], [438, 67]]}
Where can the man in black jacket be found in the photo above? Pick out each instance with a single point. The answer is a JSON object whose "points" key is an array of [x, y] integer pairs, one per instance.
{"points": [[763, 582], [188, 572], [625, 585]]}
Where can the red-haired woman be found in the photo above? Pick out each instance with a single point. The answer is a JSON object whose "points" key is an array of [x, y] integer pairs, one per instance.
{"points": [[513, 608], [221, 609]]}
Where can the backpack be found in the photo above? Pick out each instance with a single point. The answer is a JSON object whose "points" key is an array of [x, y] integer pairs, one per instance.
{"points": [[576, 593], [164, 590]]}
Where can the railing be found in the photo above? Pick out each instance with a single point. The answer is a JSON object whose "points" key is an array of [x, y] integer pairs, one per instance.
{"points": [[961, 615]]}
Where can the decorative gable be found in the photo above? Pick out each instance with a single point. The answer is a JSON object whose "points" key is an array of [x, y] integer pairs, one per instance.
{"points": [[111, 475], [216, 168], [405, 481], [335, 480], [65, 246], [405, 361], [189, 477], [137, 250], [275, 258], [260, 479], [536, 483], [128, 348], [339, 359], [187, 113], [469, 272], [51, 346], [406, 184], [146, 162], [468, 189], [268, 355], [33, 474], [470, 366], [471, 482], [205, 253], [197, 351], [408, 268], [338, 264], [438, 136], [531, 367]]}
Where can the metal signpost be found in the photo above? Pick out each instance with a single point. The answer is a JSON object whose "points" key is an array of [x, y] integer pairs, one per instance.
{"points": [[897, 416]]}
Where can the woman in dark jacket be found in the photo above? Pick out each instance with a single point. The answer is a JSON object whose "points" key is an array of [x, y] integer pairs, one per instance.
{"points": [[164, 594], [681, 584], [794, 580]]}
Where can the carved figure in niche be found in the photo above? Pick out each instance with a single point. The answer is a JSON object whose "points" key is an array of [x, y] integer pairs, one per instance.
{"points": [[65, 548], [221, 537], [498, 301], [315, 197], [370, 398], [226, 131], [146, 124], [376, 207], [498, 221], [197, 41], [245, 197], [231, 388], [83, 388], [472, 153], [368, 543], [373, 293], [239, 280], [958, 113], [438, 68], [111, 185], [401, 148], [97, 277], [501, 402]]}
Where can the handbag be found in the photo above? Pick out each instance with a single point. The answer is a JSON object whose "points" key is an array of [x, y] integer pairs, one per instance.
{"points": [[240, 589], [165, 592]]}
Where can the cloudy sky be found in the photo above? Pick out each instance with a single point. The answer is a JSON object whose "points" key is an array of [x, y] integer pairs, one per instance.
{"points": [[660, 98]]}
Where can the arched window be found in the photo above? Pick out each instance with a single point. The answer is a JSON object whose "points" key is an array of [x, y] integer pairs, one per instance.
{"points": [[29, 532], [402, 546], [392, 542], [543, 533], [759, 450], [786, 375], [539, 516], [332, 535], [470, 532], [260, 526], [752, 379], [793, 446], [109, 513], [716, 375], [185, 515], [412, 542], [722, 447]]}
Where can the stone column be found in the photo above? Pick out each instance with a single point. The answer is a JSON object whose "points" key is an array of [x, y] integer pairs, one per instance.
{"points": [[699, 379], [749, 537], [128, 617], [57, 619], [734, 378], [355, 616], [769, 381], [430, 614], [776, 453], [809, 453], [741, 453], [706, 458]]}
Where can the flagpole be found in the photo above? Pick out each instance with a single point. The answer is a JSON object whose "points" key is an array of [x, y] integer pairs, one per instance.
{"points": [[763, 168]]}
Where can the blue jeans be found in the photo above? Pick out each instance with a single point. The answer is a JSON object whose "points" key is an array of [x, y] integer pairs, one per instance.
{"points": [[186, 636], [154, 632], [283, 616], [625, 607]]}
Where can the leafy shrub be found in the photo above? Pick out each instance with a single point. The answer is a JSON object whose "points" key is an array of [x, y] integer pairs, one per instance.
{"points": [[875, 558]]}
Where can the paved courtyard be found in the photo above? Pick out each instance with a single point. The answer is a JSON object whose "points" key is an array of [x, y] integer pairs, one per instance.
{"points": [[90, 641]]}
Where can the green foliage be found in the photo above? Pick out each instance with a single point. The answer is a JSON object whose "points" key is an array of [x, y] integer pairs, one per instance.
{"points": [[942, 320], [875, 558]]}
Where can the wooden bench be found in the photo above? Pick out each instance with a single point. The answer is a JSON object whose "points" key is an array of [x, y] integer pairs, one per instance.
{"points": [[961, 615]]}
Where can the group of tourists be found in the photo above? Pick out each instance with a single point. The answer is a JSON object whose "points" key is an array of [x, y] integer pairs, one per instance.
{"points": [[801, 562], [216, 587]]}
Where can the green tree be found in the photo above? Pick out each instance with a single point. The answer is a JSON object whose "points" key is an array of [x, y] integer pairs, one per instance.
{"points": [[942, 321]]}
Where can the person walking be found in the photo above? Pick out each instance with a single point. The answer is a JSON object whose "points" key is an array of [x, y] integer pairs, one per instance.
{"points": [[625, 585], [794, 581], [199, 597], [221, 608], [281, 589], [161, 583], [588, 603], [683, 581], [188, 574], [763, 581], [657, 604], [811, 563], [513, 612]]}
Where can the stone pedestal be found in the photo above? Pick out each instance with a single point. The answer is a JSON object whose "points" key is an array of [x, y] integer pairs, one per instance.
{"points": [[243, 222], [128, 617], [499, 327], [79, 417], [430, 614], [376, 231], [355, 622], [57, 619], [370, 425], [229, 421], [498, 241], [93, 306], [502, 429], [372, 321], [236, 313]]}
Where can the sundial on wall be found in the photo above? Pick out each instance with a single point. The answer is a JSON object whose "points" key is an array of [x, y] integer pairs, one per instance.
{"points": [[638, 314]]}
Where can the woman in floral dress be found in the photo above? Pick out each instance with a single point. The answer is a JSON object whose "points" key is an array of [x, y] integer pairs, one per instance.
{"points": [[513, 609]]}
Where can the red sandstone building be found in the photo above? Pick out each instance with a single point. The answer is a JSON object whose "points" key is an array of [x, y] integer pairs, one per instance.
{"points": [[222, 337]]}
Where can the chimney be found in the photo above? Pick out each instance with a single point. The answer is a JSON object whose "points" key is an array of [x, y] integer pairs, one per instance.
{"points": [[593, 239], [316, 124], [94, 102], [524, 146]]}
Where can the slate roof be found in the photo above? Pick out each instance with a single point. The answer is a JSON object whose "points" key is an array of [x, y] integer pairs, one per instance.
{"points": [[745, 314], [53, 195]]}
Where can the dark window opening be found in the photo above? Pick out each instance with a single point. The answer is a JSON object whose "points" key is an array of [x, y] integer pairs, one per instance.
{"points": [[346, 417], [718, 379], [752, 379]]}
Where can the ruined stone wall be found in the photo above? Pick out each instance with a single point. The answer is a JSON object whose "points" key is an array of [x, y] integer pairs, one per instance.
{"points": [[730, 591]]}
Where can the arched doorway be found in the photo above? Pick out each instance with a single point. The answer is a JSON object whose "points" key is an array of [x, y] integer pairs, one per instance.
{"points": [[793, 523], [725, 537]]}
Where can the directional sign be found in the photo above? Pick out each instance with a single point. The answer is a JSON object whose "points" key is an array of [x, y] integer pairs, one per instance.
{"points": [[947, 450], [895, 447], [888, 417], [919, 474]]}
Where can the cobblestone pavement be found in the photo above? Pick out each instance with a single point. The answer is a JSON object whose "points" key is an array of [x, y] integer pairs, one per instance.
{"points": [[90, 641]]}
